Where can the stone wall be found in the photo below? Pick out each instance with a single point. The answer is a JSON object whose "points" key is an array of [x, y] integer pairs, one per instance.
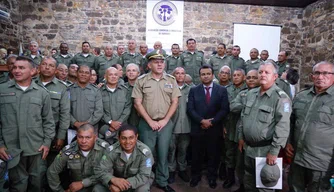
{"points": [[10, 29], [318, 36], [306, 33]]}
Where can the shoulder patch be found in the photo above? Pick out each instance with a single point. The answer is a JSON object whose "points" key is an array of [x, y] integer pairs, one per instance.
{"points": [[142, 76], [110, 148], [125, 86], [62, 82]]}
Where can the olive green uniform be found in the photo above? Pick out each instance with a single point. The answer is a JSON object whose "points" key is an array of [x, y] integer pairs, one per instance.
{"points": [[37, 59], [60, 101], [237, 63], [181, 134], [103, 63], [66, 59], [80, 168], [231, 139], [250, 65], [282, 67], [217, 62], [312, 136], [4, 77], [171, 63], [80, 59], [26, 123], [128, 58], [192, 62], [86, 104], [116, 107], [134, 116], [137, 170], [156, 99], [265, 128], [284, 85]]}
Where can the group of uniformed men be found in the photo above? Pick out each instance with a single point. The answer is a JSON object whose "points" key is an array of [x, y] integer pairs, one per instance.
{"points": [[83, 101]]}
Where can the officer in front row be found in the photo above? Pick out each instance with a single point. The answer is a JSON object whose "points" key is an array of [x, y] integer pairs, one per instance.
{"points": [[265, 123], [80, 158], [156, 97], [127, 164]]}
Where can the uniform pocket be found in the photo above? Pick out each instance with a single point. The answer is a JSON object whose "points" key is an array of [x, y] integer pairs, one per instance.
{"points": [[264, 113], [326, 114]]}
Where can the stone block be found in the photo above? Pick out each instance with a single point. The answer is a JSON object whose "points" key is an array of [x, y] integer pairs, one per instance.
{"points": [[50, 36], [94, 14], [41, 26]]}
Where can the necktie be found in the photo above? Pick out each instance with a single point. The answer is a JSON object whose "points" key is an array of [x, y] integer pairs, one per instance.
{"points": [[207, 95]]}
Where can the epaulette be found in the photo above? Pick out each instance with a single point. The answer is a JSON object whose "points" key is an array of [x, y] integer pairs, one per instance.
{"points": [[142, 76], [113, 146], [282, 80], [43, 87], [125, 86], [169, 75], [201, 52], [281, 93], [62, 82], [95, 86], [102, 143], [243, 93], [143, 148], [69, 148]]}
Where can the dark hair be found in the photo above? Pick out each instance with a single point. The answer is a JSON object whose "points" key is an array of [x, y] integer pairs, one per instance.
{"points": [[81, 66], [222, 45], [237, 46], [191, 39], [286, 53], [127, 127], [30, 61], [54, 49], [98, 50], [86, 127], [175, 44], [205, 66], [85, 43], [292, 76]]}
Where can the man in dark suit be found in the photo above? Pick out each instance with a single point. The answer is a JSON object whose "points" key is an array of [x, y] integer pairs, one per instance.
{"points": [[207, 107]]}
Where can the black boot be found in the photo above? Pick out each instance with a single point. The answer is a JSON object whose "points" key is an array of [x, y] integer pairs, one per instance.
{"points": [[222, 171], [171, 178], [230, 179]]}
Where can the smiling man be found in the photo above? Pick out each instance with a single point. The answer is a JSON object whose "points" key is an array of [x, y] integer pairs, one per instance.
{"points": [[26, 126], [127, 165], [63, 57]]}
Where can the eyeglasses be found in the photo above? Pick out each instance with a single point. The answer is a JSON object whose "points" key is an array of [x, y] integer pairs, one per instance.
{"points": [[325, 73], [251, 77]]}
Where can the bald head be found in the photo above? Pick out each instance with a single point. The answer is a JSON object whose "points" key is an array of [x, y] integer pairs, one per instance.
{"points": [[112, 77], [157, 45]]}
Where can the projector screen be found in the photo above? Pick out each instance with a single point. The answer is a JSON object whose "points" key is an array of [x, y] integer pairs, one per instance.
{"points": [[249, 36]]}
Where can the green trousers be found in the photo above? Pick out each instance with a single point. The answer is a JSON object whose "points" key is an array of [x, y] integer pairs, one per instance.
{"points": [[178, 151], [159, 140], [302, 177], [29, 174]]}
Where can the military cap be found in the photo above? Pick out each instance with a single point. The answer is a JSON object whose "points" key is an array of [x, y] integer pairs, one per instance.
{"points": [[270, 175], [155, 54]]}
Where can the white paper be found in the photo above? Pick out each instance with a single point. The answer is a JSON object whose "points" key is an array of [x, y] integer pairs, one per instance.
{"points": [[259, 163], [70, 135]]}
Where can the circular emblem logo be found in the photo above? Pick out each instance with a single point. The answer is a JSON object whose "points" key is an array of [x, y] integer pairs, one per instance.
{"points": [[164, 13]]}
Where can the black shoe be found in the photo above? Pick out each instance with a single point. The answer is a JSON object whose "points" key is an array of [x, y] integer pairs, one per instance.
{"points": [[241, 189], [184, 176], [212, 184], [228, 183], [194, 182], [171, 178], [166, 188], [222, 172]]}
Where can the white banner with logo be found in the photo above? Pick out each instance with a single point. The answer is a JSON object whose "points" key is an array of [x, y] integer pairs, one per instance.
{"points": [[164, 23]]}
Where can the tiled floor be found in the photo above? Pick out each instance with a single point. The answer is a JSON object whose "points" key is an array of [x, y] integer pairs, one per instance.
{"points": [[203, 186]]}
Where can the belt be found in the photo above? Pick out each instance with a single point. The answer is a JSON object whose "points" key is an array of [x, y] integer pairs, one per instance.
{"points": [[260, 143], [158, 119]]}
